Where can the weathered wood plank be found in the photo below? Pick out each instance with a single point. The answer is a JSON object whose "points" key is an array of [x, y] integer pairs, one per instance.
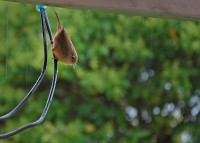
{"points": [[187, 9]]}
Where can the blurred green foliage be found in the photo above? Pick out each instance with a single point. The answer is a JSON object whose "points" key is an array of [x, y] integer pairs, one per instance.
{"points": [[137, 79]]}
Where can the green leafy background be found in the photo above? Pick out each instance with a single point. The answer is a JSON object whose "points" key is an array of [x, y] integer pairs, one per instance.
{"points": [[137, 78]]}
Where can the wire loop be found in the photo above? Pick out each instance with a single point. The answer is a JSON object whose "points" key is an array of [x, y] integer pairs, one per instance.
{"points": [[45, 25]]}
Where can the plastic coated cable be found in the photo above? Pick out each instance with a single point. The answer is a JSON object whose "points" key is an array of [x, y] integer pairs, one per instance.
{"points": [[35, 86], [44, 20]]}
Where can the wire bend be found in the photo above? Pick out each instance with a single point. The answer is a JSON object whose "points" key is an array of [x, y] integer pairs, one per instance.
{"points": [[37, 83], [45, 21]]}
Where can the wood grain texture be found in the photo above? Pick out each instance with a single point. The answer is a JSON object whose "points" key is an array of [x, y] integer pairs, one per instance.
{"points": [[186, 9]]}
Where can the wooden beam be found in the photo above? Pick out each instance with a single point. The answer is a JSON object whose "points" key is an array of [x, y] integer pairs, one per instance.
{"points": [[186, 9]]}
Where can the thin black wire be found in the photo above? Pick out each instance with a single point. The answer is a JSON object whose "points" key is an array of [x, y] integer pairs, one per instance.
{"points": [[48, 28], [53, 85], [35, 86]]}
